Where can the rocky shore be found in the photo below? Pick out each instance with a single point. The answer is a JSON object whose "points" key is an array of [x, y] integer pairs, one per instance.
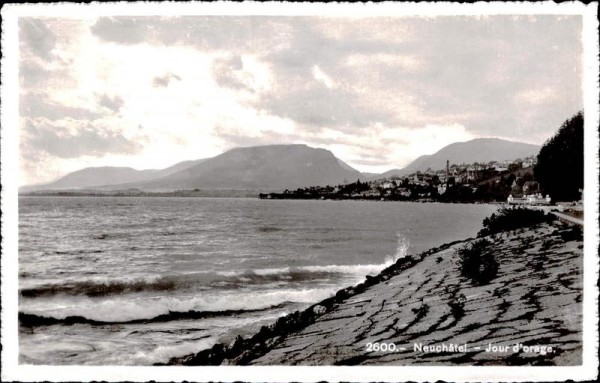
{"points": [[422, 310]]}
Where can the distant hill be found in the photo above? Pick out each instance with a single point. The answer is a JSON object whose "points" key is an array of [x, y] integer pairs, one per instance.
{"points": [[477, 150], [258, 168], [90, 177], [102, 177], [273, 167], [178, 167]]}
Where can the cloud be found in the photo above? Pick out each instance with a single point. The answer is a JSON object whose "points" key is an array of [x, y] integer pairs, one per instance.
{"points": [[114, 103], [322, 77], [40, 105], [36, 37], [70, 139], [231, 33], [535, 97], [165, 80], [408, 71], [316, 106], [227, 72], [389, 145], [123, 30], [34, 75]]}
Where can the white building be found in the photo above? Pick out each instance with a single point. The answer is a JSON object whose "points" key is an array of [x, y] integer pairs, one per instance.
{"points": [[532, 199]]}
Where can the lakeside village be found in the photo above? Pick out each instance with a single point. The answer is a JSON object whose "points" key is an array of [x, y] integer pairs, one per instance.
{"points": [[508, 181]]}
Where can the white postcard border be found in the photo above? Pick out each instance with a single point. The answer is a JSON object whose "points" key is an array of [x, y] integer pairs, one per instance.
{"points": [[11, 370]]}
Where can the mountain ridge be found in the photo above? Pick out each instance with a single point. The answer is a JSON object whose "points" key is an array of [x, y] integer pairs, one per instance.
{"points": [[103, 176], [259, 167], [272, 167], [468, 152]]}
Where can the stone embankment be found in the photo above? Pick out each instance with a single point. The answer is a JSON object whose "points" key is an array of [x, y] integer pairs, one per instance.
{"points": [[424, 303]]}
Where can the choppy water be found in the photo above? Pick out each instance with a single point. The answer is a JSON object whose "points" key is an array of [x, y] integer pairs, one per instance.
{"points": [[140, 280]]}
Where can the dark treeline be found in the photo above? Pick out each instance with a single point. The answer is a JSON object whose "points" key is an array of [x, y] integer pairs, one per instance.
{"points": [[559, 168]]}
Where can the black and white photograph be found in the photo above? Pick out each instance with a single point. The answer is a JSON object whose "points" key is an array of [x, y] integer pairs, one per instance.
{"points": [[342, 185]]}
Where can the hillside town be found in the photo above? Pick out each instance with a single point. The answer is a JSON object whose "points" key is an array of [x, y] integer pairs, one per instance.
{"points": [[477, 182]]}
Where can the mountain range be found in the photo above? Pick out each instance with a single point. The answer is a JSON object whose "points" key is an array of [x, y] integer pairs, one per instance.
{"points": [[274, 167], [477, 150]]}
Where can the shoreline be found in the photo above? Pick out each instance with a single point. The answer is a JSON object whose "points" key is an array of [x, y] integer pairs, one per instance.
{"points": [[287, 324], [249, 195], [333, 331]]}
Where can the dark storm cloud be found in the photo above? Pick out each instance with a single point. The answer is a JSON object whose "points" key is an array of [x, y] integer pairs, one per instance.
{"points": [[308, 101], [61, 141], [316, 106], [484, 65], [39, 105], [293, 45], [467, 70], [36, 37], [205, 32], [164, 81]]}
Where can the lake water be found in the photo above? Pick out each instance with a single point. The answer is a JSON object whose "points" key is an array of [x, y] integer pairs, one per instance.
{"points": [[136, 281]]}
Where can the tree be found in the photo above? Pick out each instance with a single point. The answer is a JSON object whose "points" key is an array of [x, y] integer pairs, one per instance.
{"points": [[508, 182], [515, 166], [559, 168]]}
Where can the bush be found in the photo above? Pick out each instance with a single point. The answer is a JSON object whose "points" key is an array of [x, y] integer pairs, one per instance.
{"points": [[477, 262], [513, 218]]}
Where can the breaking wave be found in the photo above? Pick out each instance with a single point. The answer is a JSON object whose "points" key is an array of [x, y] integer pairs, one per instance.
{"points": [[34, 320], [203, 281], [190, 296], [402, 248], [161, 309]]}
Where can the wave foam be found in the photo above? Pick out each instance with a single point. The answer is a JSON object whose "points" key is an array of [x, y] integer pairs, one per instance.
{"points": [[402, 247], [208, 280], [122, 310]]}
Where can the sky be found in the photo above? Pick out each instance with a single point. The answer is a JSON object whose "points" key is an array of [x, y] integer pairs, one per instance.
{"points": [[148, 92]]}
